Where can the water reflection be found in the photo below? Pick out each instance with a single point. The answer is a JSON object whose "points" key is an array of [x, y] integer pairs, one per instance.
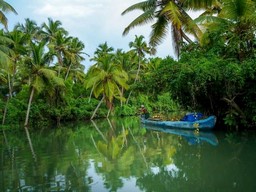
{"points": [[192, 136], [120, 155]]}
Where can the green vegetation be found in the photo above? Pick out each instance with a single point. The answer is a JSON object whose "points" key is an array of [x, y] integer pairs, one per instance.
{"points": [[43, 79]]}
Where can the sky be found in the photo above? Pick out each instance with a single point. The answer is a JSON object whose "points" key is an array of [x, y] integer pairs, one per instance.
{"points": [[92, 21]]}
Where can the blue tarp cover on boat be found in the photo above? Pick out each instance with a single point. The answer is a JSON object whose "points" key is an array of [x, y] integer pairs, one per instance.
{"points": [[192, 117]]}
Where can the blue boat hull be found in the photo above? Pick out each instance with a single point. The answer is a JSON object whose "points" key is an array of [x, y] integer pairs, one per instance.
{"points": [[202, 124]]}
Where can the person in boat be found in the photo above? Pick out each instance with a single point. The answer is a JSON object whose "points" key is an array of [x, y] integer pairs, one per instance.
{"points": [[144, 112]]}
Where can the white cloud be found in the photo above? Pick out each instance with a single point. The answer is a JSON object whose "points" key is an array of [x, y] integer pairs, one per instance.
{"points": [[67, 9]]}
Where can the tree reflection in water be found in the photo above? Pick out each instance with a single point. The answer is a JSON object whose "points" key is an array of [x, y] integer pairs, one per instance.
{"points": [[120, 155]]}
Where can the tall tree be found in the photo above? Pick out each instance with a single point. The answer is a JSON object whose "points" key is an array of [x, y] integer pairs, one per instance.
{"points": [[140, 48], [74, 56], [19, 50], [106, 79], [38, 65], [58, 40]]}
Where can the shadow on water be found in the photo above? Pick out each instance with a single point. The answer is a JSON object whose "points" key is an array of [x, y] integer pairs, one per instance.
{"points": [[122, 155]]}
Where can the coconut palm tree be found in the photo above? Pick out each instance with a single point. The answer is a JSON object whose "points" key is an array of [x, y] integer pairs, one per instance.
{"points": [[74, 56], [30, 28], [128, 62], [5, 8], [102, 50], [165, 13], [19, 50], [38, 67], [140, 48], [106, 78], [50, 30], [58, 40]]}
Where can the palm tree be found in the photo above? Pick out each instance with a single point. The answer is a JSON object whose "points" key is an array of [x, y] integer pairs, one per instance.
{"points": [[106, 78], [127, 61], [19, 50], [164, 13], [30, 29], [51, 29], [40, 73], [58, 40], [5, 8], [102, 50], [74, 56], [140, 48]]}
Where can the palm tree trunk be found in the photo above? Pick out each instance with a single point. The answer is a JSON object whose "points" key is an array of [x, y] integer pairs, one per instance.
{"points": [[122, 93], [9, 85], [91, 94], [110, 109], [60, 64], [5, 111], [94, 113], [136, 78], [29, 106], [128, 98], [138, 71], [69, 67]]}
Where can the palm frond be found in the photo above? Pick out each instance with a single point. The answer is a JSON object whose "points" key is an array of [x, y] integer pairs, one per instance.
{"points": [[172, 12], [98, 89], [38, 84], [144, 18], [198, 4], [143, 6], [159, 31]]}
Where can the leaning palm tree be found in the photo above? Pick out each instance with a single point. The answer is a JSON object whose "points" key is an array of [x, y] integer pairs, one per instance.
{"points": [[102, 50], [38, 65], [5, 8], [106, 78], [165, 13]]}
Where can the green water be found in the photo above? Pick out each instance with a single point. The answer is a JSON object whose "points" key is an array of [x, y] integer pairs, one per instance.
{"points": [[121, 155]]}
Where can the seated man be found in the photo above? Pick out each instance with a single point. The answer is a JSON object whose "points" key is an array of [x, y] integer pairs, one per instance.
{"points": [[144, 112]]}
